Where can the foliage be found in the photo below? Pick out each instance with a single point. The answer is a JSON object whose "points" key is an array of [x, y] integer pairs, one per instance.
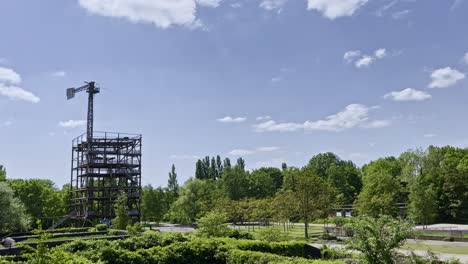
{"points": [[213, 224], [2, 173], [41, 199], [122, 219], [270, 234], [154, 204], [13, 214], [172, 186], [377, 238], [381, 188], [134, 229], [101, 227], [343, 175], [235, 183], [334, 253]]}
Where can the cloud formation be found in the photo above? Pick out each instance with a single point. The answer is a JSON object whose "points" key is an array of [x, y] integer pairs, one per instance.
{"points": [[445, 77], [408, 94], [9, 76], [333, 9], [8, 81], [246, 152], [362, 60], [72, 123], [272, 4], [353, 115], [161, 13], [229, 119]]}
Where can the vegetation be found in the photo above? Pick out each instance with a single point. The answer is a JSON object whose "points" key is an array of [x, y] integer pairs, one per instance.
{"points": [[13, 213], [122, 219]]}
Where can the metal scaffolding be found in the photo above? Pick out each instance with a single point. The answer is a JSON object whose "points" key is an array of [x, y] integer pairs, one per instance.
{"points": [[104, 165]]}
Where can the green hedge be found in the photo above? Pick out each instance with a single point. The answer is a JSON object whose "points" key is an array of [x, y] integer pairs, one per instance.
{"points": [[288, 249]]}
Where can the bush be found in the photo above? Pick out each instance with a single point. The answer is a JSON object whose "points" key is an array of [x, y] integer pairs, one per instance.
{"points": [[237, 256], [333, 253], [101, 227], [113, 232], [271, 234], [213, 224], [288, 249], [135, 229], [240, 235]]}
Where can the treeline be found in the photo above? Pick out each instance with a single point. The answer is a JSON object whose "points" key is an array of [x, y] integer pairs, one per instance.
{"points": [[426, 185]]}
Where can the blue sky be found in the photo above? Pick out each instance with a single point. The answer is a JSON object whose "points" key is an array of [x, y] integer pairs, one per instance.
{"points": [[270, 80]]}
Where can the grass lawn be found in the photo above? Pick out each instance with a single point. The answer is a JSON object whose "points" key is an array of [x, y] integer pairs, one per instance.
{"points": [[451, 249], [441, 234], [296, 231]]}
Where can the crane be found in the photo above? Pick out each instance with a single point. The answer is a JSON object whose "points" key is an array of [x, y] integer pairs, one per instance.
{"points": [[91, 89]]}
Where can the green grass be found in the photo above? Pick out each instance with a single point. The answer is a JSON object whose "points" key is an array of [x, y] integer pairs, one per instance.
{"points": [[440, 234], [295, 232], [451, 249]]}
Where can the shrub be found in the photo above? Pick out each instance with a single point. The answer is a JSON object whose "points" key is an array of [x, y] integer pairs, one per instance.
{"points": [[213, 224], [271, 234], [237, 256], [101, 227], [113, 232], [289, 249], [333, 253], [135, 229], [240, 234]]}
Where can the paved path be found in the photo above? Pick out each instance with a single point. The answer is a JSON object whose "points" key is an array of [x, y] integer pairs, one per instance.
{"points": [[173, 228]]}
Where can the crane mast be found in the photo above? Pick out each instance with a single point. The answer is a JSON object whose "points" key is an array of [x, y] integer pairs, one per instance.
{"points": [[91, 89]]}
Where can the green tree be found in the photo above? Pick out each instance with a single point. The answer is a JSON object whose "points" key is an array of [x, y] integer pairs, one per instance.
{"points": [[13, 214], [343, 175], [41, 198], [2, 173], [422, 207], [235, 183], [378, 238], [153, 204], [241, 163], [122, 219], [314, 196], [213, 224], [381, 188], [260, 184], [172, 186]]}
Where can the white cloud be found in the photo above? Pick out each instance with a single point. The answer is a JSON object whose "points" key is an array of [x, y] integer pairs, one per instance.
{"points": [[229, 119], [380, 53], [209, 3], [382, 10], [401, 14], [17, 93], [260, 118], [241, 152], [336, 8], [72, 123], [276, 79], [9, 76], [184, 157], [272, 4], [377, 124], [465, 58], [161, 13], [408, 94], [236, 5], [59, 74], [365, 61], [429, 135], [3, 60], [349, 56], [268, 149], [445, 77], [352, 116]]}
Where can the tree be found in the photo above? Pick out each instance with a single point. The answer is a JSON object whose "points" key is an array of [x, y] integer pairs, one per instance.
{"points": [[213, 224], [381, 188], [260, 184], [172, 186], [235, 183], [153, 204], [241, 163], [343, 175], [227, 163], [122, 219], [378, 238], [2, 173], [314, 195], [41, 198], [423, 203], [13, 214]]}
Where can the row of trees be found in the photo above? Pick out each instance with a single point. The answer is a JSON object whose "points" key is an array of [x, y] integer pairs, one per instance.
{"points": [[428, 185]]}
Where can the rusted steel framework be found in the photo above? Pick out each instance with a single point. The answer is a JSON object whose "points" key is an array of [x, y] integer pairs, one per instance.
{"points": [[103, 166]]}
